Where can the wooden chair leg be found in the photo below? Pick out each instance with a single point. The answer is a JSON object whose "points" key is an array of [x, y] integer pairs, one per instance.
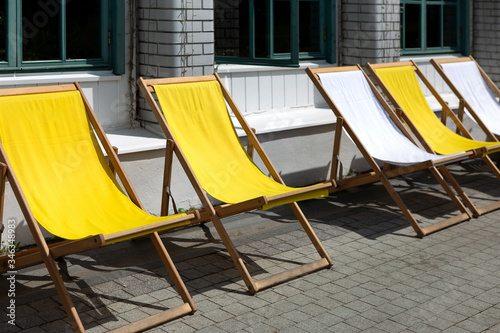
{"points": [[254, 286], [187, 307], [63, 293], [310, 232], [492, 166], [172, 271], [110, 164], [448, 190], [250, 147], [399, 202], [495, 205], [293, 273], [235, 256], [336, 164], [422, 231], [167, 175], [465, 198]]}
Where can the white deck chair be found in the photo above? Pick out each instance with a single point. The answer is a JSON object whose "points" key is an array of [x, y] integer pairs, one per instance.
{"points": [[476, 92], [379, 135]]}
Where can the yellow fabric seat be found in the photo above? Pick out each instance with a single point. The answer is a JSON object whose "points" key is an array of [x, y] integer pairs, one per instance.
{"points": [[50, 152], [193, 115], [403, 85], [61, 169], [198, 117]]}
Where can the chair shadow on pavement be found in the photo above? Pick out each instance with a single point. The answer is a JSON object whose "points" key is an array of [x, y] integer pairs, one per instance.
{"points": [[369, 210], [129, 279]]}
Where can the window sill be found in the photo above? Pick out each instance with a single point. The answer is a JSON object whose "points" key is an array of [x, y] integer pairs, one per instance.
{"points": [[426, 58], [235, 68], [287, 119], [56, 78], [135, 140]]}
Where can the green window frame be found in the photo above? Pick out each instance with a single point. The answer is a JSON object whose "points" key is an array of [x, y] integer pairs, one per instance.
{"points": [[62, 35], [434, 26], [274, 32]]}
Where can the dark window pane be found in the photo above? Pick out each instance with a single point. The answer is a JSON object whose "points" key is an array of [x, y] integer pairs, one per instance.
{"points": [[450, 34], [3, 30], [261, 14], [412, 26], [83, 26], [41, 30], [271, 28], [231, 28], [434, 26], [309, 27], [281, 27]]}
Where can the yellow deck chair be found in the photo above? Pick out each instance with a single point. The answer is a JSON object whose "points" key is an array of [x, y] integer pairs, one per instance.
{"points": [[380, 136], [193, 115], [477, 93], [400, 84], [51, 156]]}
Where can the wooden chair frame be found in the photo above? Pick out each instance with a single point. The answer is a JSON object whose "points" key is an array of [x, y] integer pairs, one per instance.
{"points": [[215, 214], [446, 112], [463, 104], [47, 253], [438, 170]]}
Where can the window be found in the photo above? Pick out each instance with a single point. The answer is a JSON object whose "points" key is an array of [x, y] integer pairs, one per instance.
{"points": [[274, 32], [433, 26], [37, 35]]}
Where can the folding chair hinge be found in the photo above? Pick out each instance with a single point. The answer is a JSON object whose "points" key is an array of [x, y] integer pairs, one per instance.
{"points": [[340, 172], [461, 108], [169, 192]]}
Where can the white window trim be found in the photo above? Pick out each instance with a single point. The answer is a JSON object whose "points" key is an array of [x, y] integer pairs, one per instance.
{"points": [[17, 79], [283, 119], [240, 68]]}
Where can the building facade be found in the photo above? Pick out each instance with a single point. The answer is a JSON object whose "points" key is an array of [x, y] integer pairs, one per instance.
{"points": [[260, 49]]}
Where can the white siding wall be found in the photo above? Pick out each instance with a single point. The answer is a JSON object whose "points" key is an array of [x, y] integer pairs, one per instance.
{"points": [[261, 89], [108, 94]]}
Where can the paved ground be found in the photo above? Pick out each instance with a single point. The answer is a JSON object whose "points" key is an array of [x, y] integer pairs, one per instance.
{"points": [[384, 279]]}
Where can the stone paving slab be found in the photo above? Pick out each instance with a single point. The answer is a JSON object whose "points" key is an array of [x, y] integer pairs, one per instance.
{"points": [[384, 279]]}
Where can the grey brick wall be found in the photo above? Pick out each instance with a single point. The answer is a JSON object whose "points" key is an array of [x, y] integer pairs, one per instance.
{"points": [[370, 31], [176, 38], [486, 36]]}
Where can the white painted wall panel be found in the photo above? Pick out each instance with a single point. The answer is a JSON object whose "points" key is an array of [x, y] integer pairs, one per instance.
{"points": [[109, 111], [303, 90], [252, 92], [278, 82], [261, 89], [290, 91], [266, 91], [238, 90]]}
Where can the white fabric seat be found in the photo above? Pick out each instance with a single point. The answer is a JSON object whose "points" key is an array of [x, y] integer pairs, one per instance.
{"points": [[379, 135], [466, 77]]}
